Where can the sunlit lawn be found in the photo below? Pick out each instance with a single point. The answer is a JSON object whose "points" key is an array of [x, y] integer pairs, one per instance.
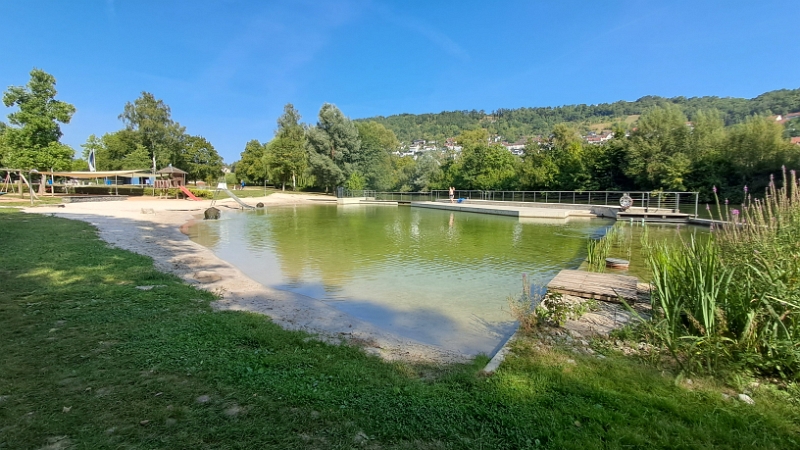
{"points": [[88, 360]]}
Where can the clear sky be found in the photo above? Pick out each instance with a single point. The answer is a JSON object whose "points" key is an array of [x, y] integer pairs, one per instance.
{"points": [[227, 67]]}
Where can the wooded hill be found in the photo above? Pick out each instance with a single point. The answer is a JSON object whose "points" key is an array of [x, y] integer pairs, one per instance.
{"points": [[514, 124]]}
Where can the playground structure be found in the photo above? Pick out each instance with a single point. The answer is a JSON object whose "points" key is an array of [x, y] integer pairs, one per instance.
{"points": [[8, 182], [188, 193], [170, 177], [224, 188]]}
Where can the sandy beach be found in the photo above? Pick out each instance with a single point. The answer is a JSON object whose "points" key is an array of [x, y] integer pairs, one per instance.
{"points": [[153, 227]]}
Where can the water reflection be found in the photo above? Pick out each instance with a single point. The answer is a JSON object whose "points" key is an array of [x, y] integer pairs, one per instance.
{"points": [[403, 269]]}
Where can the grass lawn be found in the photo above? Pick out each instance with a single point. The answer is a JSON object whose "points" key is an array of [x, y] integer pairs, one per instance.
{"points": [[90, 361], [6, 200], [255, 191]]}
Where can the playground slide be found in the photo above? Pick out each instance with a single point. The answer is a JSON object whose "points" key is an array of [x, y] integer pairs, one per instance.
{"points": [[237, 199], [189, 193]]}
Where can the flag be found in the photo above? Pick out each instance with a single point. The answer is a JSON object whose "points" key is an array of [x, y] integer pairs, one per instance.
{"points": [[92, 167]]}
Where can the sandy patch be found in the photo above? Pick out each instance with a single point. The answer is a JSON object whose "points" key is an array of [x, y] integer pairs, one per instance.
{"points": [[153, 227]]}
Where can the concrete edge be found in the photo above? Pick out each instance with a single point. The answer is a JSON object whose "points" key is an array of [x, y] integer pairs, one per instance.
{"points": [[499, 357]]}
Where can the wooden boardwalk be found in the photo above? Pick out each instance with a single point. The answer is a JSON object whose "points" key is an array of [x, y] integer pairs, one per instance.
{"points": [[599, 286]]}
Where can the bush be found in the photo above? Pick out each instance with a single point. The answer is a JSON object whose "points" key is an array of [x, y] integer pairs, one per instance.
{"points": [[109, 190]]}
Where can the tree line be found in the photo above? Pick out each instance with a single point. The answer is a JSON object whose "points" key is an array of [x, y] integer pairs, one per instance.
{"points": [[515, 124], [662, 150], [149, 136]]}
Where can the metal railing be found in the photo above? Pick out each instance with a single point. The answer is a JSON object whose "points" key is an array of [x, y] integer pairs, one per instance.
{"points": [[651, 201]]}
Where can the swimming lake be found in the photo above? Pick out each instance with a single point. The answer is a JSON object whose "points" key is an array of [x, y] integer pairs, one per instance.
{"points": [[438, 277]]}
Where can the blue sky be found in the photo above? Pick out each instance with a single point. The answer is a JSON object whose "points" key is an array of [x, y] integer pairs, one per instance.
{"points": [[227, 67]]}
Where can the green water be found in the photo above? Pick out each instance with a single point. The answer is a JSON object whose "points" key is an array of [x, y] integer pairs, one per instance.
{"points": [[434, 276]]}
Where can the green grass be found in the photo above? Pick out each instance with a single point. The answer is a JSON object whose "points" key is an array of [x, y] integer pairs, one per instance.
{"points": [[26, 202], [255, 191], [90, 361]]}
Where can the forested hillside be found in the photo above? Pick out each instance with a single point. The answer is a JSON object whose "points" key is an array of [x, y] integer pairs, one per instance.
{"points": [[514, 124]]}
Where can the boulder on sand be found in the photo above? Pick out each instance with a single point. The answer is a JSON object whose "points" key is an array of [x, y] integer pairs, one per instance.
{"points": [[212, 213]]}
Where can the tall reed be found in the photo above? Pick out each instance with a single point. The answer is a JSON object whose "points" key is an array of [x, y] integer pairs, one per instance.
{"points": [[597, 251], [735, 296]]}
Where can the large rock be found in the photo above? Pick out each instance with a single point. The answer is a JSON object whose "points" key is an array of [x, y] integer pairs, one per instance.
{"points": [[212, 213]]}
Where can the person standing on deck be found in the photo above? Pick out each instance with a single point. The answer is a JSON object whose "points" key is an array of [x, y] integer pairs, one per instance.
{"points": [[452, 194]]}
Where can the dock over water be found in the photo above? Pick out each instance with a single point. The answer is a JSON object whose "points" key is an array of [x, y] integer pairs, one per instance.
{"points": [[521, 211], [599, 286]]}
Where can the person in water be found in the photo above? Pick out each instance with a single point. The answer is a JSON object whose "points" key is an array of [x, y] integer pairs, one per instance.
{"points": [[452, 194]]}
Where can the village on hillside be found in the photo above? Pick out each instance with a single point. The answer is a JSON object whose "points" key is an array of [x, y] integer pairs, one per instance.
{"points": [[418, 147]]}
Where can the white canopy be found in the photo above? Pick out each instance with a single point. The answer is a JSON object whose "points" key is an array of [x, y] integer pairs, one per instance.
{"points": [[104, 174]]}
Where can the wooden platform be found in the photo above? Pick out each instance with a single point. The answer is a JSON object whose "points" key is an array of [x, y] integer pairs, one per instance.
{"points": [[599, 286]]}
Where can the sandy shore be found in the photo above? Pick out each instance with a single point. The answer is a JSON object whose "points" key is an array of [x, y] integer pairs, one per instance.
{"points": [[152, 227]]}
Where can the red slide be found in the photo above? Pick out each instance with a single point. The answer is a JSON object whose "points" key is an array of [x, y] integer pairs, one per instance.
{"points": [[189, 193]]}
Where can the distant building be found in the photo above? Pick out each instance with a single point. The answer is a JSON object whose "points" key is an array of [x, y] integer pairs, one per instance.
{"points": [[517, 148], [786, 117], [796, 140], [594, 138]]}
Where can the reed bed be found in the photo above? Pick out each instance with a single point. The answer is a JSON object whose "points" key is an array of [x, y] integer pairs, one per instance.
{"points": [[735, 297]]}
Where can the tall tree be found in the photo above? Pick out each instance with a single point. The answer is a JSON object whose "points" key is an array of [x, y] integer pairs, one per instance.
{"points": [[151, 120], [657, 154], [138, 159], [757, 148], [3, 148], [334, 147], [286, 154], [33, 143], [252, 167], [484, 166], [427, 172], [115, 147], [202, 160], [377, 145]]}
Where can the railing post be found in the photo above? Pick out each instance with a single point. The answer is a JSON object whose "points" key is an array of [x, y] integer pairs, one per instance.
{"points": [[677, 202], [590, 198], [696, 202]]}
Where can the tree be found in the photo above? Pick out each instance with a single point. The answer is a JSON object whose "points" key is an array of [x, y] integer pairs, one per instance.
{"points": [[3, 148], [93, 143], [33, 143], [377, 145], [756, 149], [252, 166], [334, 147], [286, 154], [538, 170], [427, 171], [792, 128], [484, 166], [151, 120], [139, 159], [657, 151], [202, 160], [113, 148]]}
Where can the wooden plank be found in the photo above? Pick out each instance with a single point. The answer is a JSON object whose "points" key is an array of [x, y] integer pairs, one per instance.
{"points": [[599, 286]]}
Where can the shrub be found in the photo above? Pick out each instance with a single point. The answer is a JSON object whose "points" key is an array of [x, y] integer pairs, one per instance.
{"points": [[109, 190]]}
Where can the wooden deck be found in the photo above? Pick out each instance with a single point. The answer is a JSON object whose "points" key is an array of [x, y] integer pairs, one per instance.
{"points": [[599, 286]]}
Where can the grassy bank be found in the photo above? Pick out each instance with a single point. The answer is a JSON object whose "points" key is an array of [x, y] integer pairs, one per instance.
{"points": [[89, 360]]}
